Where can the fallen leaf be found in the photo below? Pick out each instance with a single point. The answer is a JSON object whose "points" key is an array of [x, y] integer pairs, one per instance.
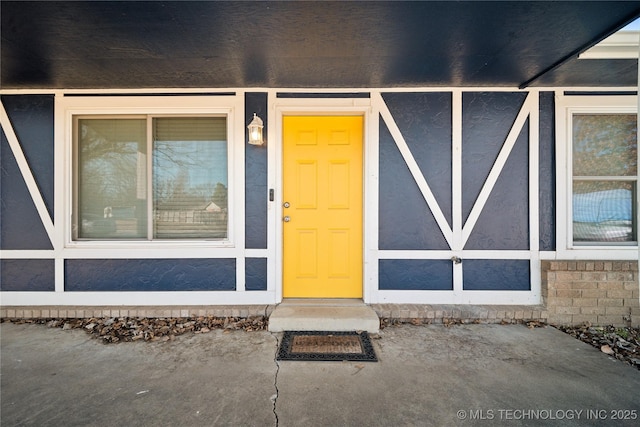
{"points": [[606, 349]]}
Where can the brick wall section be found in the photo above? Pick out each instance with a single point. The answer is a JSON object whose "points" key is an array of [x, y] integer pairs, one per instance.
{"points": [[437, 314], [71, 312], [444, 313], [600, 292]]}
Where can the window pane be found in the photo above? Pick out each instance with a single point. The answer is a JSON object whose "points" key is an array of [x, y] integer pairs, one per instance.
{"points": [[605, 145], [190, 178], [603, 211], [111, 178]]}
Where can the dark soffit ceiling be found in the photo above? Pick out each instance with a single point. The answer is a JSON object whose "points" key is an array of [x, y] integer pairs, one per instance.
{"points": [[207, 44]]}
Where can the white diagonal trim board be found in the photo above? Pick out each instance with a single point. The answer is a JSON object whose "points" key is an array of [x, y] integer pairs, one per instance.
{"points": [[414, 169], [23, 165], [497, 167]]}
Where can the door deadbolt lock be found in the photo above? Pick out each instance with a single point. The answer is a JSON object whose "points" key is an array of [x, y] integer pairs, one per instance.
{"points": [[286, 204], [286, 218]]}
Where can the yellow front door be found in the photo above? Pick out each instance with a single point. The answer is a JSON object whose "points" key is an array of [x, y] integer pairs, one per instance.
{"points": [[322, 195]]}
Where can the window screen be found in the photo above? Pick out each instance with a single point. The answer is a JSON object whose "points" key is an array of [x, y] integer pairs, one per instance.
{"points": [[187, 176], [190, 178]]}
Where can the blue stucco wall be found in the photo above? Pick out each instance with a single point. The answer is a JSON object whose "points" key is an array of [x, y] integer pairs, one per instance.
{"points": [[496, 275], [504, 222], [547, 179], [323, 95], [27, 275], [256, 191], [405, 221], [256, 274], [32, 119], [150, 275], [21, 226], [425, 122], [487, 118], [415, 274]]}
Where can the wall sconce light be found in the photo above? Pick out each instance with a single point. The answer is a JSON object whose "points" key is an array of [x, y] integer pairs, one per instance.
{"points": [[255, 131]]}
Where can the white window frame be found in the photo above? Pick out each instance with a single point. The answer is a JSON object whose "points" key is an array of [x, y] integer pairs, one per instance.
{"points": [[230, 106], [566, 107]]}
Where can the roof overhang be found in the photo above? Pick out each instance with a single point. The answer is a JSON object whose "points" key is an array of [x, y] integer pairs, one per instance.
{"points": [[350, 44]]}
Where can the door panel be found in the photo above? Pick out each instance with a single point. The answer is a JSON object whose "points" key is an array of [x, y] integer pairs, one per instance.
{"points": [[322, 182]]}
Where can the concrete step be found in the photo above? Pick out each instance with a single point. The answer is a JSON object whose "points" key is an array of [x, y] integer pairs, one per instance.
{"points": [[323, 315]]}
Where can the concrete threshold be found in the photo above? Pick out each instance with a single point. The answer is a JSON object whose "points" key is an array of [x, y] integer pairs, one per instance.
{"points": [[323, 315]]}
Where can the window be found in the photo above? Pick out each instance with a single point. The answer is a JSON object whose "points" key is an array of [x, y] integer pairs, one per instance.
{"points": [[150, 178], [604, 180]]}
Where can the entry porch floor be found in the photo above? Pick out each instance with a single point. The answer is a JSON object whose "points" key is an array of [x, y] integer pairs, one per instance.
{"points": [[463, 375]]}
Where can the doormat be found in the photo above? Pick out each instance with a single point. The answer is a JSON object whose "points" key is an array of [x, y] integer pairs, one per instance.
{"points": [[326, 346]]}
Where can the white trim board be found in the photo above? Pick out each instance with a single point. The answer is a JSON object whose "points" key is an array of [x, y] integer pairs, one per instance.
{"points": [[458, 297], [137, 298]]}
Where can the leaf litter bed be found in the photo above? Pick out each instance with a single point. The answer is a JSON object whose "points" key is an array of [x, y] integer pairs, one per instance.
{"points": [[127, 329], [623, 343]]}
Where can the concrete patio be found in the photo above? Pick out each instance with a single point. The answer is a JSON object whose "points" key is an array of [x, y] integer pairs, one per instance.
{"points": [[426, 375]]}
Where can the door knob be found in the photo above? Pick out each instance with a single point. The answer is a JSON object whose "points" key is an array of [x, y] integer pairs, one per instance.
{"points": [[286, 204], [286, 218]]}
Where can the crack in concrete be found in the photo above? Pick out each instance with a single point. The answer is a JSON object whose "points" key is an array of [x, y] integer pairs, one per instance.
{"points": [[274, 398]]}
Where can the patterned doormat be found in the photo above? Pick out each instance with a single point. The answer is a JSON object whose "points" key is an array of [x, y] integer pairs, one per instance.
{"points": [[326, 346]]}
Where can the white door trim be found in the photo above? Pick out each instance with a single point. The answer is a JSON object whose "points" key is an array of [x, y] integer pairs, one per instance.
{"points": [[278, 108]]}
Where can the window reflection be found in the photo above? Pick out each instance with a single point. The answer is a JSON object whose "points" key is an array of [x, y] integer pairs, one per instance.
{"points": [[605, 168], [112, 178], [188, 177]]}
